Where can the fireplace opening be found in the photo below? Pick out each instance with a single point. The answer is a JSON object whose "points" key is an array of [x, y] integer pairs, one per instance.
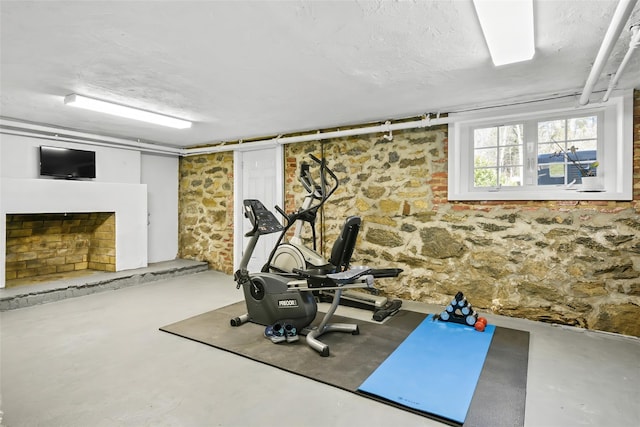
{"points": [[59, 244]]}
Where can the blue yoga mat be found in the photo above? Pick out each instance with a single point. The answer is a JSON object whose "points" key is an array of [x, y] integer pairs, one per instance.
{"points": [[435, 369]]}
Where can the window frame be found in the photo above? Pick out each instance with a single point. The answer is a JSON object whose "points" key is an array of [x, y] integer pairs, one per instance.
{"points": [[615, 149], [567, 163], [471, 157]]}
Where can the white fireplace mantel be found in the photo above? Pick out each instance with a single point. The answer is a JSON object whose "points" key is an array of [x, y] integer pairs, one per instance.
{"points": [[128, 201]]}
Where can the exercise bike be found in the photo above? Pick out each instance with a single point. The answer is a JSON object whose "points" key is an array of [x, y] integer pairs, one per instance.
{"points": [[289, 256], [275, 298], [266, 294]]}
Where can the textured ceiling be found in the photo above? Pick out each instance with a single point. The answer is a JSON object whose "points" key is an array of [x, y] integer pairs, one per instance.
{"points": [[245, 69]]}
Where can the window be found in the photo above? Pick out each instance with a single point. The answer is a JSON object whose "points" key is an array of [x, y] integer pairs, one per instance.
{"points": [[562, 150], [542, 151], [567, 150], [498, 156]]}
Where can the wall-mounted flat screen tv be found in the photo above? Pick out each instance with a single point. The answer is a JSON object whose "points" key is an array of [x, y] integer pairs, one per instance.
{"points": [[67, 163]]}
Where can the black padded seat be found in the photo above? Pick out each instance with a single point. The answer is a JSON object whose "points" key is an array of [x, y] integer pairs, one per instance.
{"points": [[341, 253]]}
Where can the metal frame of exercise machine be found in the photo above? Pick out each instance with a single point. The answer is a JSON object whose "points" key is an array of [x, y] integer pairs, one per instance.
{"points": [[287, 256], [272, 298]]}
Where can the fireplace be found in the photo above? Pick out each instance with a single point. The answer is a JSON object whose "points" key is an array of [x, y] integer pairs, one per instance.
{"points": [[47, 243], [109, 226]]}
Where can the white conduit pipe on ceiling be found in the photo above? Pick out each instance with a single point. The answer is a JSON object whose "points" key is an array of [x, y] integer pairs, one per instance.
{"points": [[618, 22], [633, 44], [387, 127], [34, 130]]}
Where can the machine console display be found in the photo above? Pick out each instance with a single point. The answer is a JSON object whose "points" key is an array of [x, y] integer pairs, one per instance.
{"points": [[263, 221]]}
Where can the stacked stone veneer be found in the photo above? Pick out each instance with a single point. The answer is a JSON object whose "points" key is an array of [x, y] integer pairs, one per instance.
{"points": [[568, 262], [40, 244], [205, 230]]}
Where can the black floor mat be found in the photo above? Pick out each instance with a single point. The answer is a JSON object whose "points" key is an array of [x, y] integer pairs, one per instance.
{"points": [[498, 401]]}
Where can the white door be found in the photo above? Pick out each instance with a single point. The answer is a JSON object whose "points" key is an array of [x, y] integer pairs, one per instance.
{"points": [[259, 176]]}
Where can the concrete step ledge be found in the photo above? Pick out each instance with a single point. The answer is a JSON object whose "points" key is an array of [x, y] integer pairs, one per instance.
{"points": [[42, 293]]}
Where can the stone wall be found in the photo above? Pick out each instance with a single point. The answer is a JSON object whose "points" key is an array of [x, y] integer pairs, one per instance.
{"points": [[571, 263], [568, 262], [40, 244], [205, 219]]}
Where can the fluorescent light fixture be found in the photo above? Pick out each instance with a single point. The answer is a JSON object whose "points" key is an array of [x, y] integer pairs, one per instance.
{"points": [[508, 29], [123, 111]]}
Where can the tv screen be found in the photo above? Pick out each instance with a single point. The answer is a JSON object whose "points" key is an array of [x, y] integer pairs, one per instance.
{"points": [[67, 163]]}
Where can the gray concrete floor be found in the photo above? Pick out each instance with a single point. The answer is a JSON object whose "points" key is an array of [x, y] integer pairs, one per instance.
{"points": [[100, 360]]}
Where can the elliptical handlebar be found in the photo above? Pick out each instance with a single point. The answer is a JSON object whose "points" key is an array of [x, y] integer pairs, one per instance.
{"points": [[307, 214], [282, 212], [309, 184], [324, 170], [318, 192], [315, 159], [323, 179]]}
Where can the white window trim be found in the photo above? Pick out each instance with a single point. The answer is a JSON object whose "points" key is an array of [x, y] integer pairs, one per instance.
{"points": [[616, 159]]}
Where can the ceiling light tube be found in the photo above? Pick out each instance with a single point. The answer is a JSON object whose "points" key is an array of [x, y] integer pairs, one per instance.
{"points": [[507, 26], [79, 101]]}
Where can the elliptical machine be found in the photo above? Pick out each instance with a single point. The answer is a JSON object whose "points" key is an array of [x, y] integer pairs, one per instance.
{"points": [[294, 255], [287, 256]]}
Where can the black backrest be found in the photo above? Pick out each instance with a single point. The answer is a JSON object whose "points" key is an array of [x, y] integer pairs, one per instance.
{"points": [[345, 244]]}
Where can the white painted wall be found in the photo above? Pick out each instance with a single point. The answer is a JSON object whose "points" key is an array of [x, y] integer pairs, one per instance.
{"points": [[144, 182], [160, 174], [19, 157]]}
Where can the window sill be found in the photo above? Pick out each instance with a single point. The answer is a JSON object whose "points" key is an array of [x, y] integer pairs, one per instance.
{"points": [[573, 194]]}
